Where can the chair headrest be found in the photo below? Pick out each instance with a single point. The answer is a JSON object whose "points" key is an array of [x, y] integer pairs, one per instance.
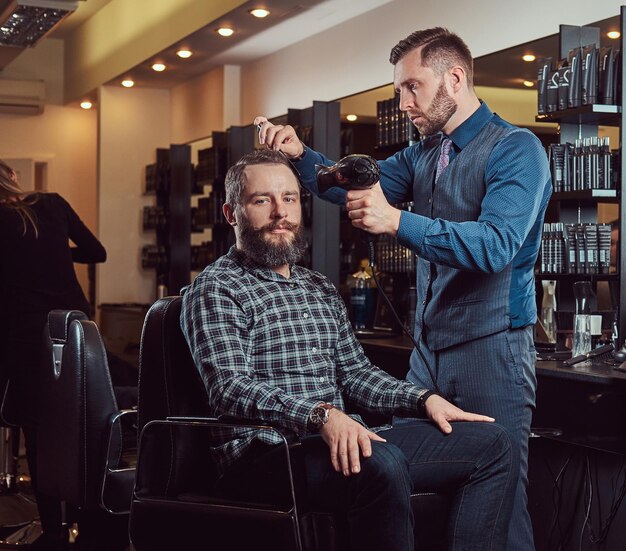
{"points": [[169, 382], [59, 323]]}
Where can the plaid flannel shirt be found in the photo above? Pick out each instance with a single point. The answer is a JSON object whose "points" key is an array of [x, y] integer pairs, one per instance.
{"points": [[272, 348]]}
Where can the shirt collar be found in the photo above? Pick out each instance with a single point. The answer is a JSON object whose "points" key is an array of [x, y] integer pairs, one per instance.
{"points": [[249, 264], [469, 128]]}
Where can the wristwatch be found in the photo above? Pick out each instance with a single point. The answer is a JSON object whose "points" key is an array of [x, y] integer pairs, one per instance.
{"points": [[319, 415]]}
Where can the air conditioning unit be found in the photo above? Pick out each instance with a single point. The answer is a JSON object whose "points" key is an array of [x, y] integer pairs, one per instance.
{"points": [[22, 97]]}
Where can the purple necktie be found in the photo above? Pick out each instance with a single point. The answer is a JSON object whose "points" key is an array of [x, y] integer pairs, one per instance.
{"points": [[444, 157]]}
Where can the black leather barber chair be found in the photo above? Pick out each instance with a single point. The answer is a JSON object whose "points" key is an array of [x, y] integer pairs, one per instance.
{"points": [[86, 444], [19, 523], [176, 482]]}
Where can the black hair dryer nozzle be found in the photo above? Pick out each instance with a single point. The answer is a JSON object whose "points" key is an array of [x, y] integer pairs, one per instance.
{"points": [[351, 172]]}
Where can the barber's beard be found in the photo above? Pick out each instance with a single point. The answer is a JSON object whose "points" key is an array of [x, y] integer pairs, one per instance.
{"points": [[438, 114], [266, 250]]}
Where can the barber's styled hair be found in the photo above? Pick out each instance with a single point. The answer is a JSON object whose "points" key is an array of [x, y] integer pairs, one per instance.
{"points": [[441, 49], [12, 196], [236, 175]]}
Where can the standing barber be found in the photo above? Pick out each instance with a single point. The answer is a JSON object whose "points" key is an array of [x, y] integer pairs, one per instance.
{"points": [[480, 187]]}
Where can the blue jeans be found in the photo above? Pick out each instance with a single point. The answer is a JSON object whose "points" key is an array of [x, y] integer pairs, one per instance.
{"points": [[473, 464], [495, 376]]}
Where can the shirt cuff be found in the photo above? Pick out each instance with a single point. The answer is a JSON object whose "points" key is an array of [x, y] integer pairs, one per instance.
{"points": [[297, 413], [407, 400], [303, 158], [412, 230]]}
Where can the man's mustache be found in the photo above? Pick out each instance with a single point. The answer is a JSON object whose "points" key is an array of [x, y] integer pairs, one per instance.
{"points": [[281, 225]]}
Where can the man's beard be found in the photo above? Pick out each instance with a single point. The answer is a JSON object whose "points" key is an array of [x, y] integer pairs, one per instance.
{"points": [[438, 114], [269, 253]]}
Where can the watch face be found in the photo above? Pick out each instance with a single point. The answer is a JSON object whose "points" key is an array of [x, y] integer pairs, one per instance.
{"points": [[319, 416]]}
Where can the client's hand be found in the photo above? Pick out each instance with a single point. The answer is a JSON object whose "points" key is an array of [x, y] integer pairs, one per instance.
{"points": [[440, 411], [346, 438]]}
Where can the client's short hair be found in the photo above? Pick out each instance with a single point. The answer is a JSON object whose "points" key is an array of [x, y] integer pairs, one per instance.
{"points": [[236, 175]]}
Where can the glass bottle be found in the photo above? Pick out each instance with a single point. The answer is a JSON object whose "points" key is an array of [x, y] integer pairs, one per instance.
{"points": [[548, 309], [581, 340], [360, 298]]}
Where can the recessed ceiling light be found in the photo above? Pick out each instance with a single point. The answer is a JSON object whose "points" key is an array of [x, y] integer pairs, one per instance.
{"points": [[184, 53], [529, 83], [128, 83], [613, 34], [351, 118], [158, 67], [529, 57], [225, 31], [86, 104], [259, 12]]}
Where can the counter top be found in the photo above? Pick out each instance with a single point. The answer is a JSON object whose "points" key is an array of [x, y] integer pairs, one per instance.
{"points": [[597, 371]]}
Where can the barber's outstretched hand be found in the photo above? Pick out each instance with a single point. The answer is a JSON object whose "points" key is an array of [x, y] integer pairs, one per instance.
{"points": [[279, 138], [441, 412], [369, 210], [347, 439]]}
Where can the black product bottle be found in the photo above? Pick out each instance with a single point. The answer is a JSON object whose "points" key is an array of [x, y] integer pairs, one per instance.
{"points": [[593, 162], [604, 163], [577, 172]]}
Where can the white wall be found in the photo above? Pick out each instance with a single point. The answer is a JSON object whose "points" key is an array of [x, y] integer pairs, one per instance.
{"points": [[132, 124], [197, 107], [353, 56], [211, 102]]}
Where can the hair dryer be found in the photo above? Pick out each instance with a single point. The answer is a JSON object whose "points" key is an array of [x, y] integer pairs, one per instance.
{"points": [[352, 172]]}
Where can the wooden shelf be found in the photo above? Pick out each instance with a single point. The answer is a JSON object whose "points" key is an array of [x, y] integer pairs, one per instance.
{"points": [[593, 277], [599, 114], [598, 195]]}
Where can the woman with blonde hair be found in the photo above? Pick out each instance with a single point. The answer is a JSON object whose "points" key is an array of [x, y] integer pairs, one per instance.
{"points": [[36, 276]]}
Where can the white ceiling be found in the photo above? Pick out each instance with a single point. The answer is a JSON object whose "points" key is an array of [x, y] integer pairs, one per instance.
{"points": [[294, 21], [86, 8]]}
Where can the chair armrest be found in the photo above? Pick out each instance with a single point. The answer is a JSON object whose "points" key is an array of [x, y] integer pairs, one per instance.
{"points": [[234, 422], [121, 460], [157, 439], [117, 448]]}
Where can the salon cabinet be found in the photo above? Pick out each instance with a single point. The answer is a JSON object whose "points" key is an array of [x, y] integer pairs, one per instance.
{"points": [[582, 206]]}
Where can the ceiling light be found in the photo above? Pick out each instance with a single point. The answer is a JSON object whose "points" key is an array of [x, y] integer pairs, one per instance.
{"points": [[86, 104], [529, 83], [158, 67], [613, 34], [184, 53], [351, 118], [24, 22], [259, 12], [128, 83], [529, 57], [225, 31]]}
